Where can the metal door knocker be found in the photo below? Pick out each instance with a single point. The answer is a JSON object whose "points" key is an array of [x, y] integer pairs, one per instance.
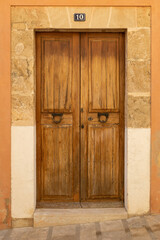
{"points": [[57, 115], [103, 114]]}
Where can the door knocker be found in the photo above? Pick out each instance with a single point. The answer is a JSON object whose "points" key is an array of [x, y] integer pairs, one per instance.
{"points": [[57, 115], [103, 114]]}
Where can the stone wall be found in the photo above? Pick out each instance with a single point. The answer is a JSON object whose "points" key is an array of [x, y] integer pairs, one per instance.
{"points": [[135, 21]]}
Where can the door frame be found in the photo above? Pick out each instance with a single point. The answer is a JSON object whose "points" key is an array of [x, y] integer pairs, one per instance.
{"points": [[122, 119]]}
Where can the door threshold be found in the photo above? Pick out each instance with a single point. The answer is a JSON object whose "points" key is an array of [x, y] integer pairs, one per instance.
{"points": [[58, 217], [71, 205]]}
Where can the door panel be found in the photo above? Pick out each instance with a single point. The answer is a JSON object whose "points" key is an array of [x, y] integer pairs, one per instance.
{"points": [[102, 81], [103, 73], [103, 152], [58, 117], [57, 174], [57, 74]]}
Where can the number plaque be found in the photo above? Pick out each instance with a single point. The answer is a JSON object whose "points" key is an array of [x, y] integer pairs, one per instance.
{"points": [[79, 17]]}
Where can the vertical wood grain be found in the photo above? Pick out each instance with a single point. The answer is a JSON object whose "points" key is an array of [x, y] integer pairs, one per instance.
{"points": [[103, 158], [102, 90], [57, 91], [57, 165], [103, 73], [99, 174], [57, 78]]}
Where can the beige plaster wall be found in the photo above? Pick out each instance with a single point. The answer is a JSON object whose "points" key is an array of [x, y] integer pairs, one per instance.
{"points": [[23, 171], [138, 170], [136, 22]]}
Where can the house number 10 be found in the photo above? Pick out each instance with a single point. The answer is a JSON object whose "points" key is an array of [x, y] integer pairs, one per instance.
{"points": [[79, 17]]}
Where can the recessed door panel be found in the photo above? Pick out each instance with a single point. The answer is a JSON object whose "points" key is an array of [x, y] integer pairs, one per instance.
{"points": [[103, 157], [57, 162], [57, 74], [103, 73]]}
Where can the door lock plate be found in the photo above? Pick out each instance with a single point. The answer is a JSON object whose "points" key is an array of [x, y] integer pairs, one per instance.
{"points": [[90, 119]]}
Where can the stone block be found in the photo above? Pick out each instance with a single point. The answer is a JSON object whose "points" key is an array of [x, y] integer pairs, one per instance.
{"points": [[18, 15], [56, 217], [123, 17], [88, 11], [153, 222], [18, 26], [88, 231], [22, 67], [116, 235], [58, 17], [139, 44], [139, 76], [111, 226], [4, 233], [140, 233], [22, 222], [28, 233], [61, 232], [35, 17], [135, 222], [138, 112], [23, 109], [143, 16], [23, 43], [100, 17], [21, 85], [22, 76]]}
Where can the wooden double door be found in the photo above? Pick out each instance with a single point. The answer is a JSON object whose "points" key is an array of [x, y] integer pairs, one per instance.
{"points": [[80, 118]]}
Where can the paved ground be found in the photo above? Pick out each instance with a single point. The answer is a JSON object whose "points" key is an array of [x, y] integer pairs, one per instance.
{"points": [[137, 228]]}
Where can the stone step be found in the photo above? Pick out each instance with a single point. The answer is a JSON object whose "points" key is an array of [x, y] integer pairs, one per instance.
{"points": [[55, 217]]}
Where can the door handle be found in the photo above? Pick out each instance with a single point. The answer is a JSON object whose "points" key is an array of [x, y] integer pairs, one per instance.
{"points": [[103, 114], [57, 115]]}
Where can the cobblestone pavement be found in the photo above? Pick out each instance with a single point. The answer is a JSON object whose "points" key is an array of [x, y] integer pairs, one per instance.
{"points": [[137, 228]]}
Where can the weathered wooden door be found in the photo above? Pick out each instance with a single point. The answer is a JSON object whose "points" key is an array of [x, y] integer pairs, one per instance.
{"points": [[80, 118], [102, 114], [58, 84]]}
